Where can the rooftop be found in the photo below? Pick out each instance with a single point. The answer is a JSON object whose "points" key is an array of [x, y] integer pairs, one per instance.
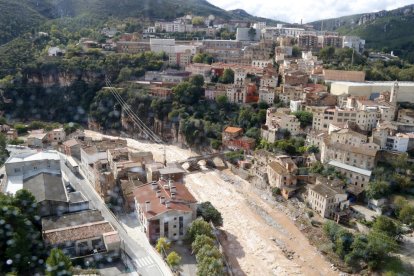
{"points": [[26, 157], [232, 129], [350, 168], [71, 219], [77, 232], [148, 192], [46, 186], [358, 150], [324, 190], [70, 143]]}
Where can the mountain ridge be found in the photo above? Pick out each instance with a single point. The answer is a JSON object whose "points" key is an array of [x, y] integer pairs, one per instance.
{"points": [[383, 31], [36, 13]]}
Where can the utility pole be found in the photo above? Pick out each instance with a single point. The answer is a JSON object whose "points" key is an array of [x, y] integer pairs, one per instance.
{"points": [[353, 52], [165, 156]]}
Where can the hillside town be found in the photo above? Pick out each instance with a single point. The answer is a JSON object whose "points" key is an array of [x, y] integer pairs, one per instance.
{"points": [[301, 166]]}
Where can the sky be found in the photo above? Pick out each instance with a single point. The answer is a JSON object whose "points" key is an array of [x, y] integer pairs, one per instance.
{"points": [[293, 11]]}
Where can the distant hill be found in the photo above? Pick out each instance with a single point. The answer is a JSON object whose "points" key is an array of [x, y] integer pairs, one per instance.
{"points": [[21, 16], [18, 17], [385, 30]]}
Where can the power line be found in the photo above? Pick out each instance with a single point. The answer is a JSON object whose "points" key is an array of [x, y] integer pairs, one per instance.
{"points": [[153, 136]]}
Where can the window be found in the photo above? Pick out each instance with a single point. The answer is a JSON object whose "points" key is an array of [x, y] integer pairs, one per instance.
{"points": [[181, 226]]}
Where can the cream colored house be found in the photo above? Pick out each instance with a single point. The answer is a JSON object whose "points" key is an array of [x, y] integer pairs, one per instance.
{"points": [[282, 174], [327, 200]]}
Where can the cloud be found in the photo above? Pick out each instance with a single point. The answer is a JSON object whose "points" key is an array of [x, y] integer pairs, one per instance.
{"points": [[295, 10]]}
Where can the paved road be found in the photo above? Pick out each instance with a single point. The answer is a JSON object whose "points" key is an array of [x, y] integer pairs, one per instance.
{"points": [[147, 261]]}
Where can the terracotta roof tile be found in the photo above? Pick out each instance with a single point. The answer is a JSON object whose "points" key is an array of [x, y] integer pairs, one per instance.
{"points": [[181, 202], [78, 232]]}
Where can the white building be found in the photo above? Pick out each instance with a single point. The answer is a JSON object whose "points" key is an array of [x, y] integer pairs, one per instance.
{"points": [[40, 174], [295, 106], [404, 90], [22, 166], [261, 63], [399, 142], [55, 51], [353, 42], [267, 96]]}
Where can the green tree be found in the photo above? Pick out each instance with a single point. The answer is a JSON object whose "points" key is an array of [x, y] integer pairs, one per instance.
{"points": [[4, 154], [58, 264], [227, 77], [305, 118], [387, 225], [379, 246], [162, 245], [252, 34], [21, 246], [210, 266], [404, 182], [222, 101], [359, 251], [197, 80], [406, 214], [197, 20], [296, 52], [200, 241], [199, 227], [125, 74], [210, 213], [377, 189], [343, 242], [313, 149], [331, 229], [20, 128], [208, 251], [173, 259]]}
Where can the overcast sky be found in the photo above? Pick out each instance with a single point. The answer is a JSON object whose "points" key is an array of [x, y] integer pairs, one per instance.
{"points": [[294, 10]]}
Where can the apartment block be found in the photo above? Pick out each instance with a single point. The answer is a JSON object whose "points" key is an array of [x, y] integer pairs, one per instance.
{"points": [[165, 209]]}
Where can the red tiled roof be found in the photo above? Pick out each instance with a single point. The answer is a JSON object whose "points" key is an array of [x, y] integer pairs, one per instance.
{"points": [[78, 232], [233, 129], [183, 198]]}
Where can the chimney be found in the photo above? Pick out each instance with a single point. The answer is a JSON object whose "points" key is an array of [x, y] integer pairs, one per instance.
{"points": [[172, 195], [162, 199], [167, 204], [147, 206], [158, 192], [154, 185], [170, 183]]}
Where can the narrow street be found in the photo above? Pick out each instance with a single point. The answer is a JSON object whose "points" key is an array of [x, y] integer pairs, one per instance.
{"points": [[146, 259]]}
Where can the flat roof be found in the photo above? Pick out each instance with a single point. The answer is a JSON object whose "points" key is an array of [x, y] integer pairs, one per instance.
{"points": [[350, 168], [43, 155], [71, 219]]}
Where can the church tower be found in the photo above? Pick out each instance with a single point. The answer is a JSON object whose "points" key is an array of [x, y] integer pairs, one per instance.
{"points": [[394, 93]]}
